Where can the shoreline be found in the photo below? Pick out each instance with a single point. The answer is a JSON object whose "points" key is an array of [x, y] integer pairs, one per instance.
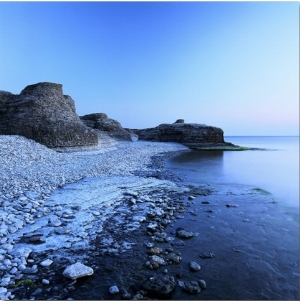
{"points": [[119, 250]]}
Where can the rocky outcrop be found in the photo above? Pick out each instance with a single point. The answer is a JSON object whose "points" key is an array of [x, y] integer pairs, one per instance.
{"points": [[41, 112], [189, 134], [113, 128]]}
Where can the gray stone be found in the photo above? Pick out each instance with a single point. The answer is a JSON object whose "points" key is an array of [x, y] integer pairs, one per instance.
{"points": [[189, 134], [202, 283], [160, 284], [194, 266], [114, 290], [182, 233], [113, 128], [77, 270], [192, 287], [41, 112]]}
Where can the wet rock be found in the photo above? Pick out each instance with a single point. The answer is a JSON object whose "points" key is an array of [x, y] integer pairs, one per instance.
{"points": [[173, 258], [194, 266], [157, 261], [202, 284], [77, 270], [182, 233], [46, 263], [114, 290], [160, 284], [155, 251], [207, 255], [232, 205], [192, 287]]}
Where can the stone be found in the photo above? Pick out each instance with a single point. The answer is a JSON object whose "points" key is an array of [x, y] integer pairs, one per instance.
{"points": [[160, 284], [113, 128], [42, 113], [113, 290], [77, 270], [156, 261], [207, 255], [174, 258], [192, 287], [194, 266], [189, 134], [45, 281], [202, 283], [46, 263], [182, 233]]}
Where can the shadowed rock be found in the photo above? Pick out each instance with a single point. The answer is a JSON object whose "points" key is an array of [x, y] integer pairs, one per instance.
{"points": [[41, 112], [189, 134], [113, 128]]}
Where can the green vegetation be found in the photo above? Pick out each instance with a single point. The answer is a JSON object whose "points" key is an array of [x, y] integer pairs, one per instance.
{"points": [[261, 191], [25, 282]]}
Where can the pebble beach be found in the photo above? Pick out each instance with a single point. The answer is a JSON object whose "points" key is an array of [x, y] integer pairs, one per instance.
{"points": [[113, 223]]}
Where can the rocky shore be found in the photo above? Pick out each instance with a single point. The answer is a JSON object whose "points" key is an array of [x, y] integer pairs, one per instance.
{"points": [[113, 223]]}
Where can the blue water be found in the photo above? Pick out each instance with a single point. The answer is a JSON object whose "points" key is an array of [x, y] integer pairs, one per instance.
{"points": [[275, 169]]}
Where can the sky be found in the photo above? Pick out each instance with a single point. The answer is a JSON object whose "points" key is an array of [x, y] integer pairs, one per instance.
{"points": [[233, 65]]}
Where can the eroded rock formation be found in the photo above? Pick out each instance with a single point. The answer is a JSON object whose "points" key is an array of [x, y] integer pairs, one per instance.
{"points": [[113, 128], [41, 112], [189, 134]]}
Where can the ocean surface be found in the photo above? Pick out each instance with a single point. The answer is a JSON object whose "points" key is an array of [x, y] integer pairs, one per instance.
{"points": [[275, 169]]}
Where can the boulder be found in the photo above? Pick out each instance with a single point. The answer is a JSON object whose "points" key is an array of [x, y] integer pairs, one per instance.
{"points": [[41, 112], [113, 128], [189, 134], [77, 270]]}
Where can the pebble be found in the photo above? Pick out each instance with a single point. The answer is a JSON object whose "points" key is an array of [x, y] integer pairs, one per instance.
{"points": [[114, 290], [45, 281], [202, 284], [46, 262], [194, 266]]}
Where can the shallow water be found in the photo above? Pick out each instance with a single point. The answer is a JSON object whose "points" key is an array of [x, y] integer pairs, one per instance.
{"points": [[275, 169]]}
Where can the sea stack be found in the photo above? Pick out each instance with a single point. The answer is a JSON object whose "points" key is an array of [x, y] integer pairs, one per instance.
{"points": [[41, 112]]}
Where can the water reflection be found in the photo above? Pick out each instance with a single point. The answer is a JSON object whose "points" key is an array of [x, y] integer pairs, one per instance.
{"points": [[199, 165]]}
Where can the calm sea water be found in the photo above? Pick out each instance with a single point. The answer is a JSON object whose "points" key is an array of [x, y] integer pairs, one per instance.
{"points": [[275, 169]]}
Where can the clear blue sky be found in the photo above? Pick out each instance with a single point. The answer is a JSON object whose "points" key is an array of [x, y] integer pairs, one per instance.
{"points": [[234, 65]]}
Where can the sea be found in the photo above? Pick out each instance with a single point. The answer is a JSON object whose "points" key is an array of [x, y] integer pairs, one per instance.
{"points": [[274, 167]]}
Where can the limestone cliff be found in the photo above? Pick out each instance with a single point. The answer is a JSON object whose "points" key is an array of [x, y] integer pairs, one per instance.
{"points": [[41, 112]]}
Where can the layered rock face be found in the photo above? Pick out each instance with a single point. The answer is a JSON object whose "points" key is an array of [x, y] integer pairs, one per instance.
{"points": [[189, 134], [113, 128], [41, 112]]}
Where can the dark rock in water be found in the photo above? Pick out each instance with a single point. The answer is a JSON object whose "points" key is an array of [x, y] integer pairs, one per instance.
{"points": [[182, 233], [192, 287], [41, 112], [189, 134], [113, 128], [160, 284]]}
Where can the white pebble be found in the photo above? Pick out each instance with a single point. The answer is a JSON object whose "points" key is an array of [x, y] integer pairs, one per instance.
{"points": [[113, 289]]}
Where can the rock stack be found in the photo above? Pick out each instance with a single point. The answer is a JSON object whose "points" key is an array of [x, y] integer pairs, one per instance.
{"points": [[189, 134], [41, 112]]}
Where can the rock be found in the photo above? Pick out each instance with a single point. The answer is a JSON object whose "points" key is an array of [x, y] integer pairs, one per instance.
{"points": [[194, 266], [160, 284], [113, 290], [155, 251], [77, 270], [157, 261], [207, 255], [41, 112], [46, 263], [173, 257], [179, 121], [192, 287], [189, 134], [45, 281], [113, 128], [182, 233], [202, 283]]}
